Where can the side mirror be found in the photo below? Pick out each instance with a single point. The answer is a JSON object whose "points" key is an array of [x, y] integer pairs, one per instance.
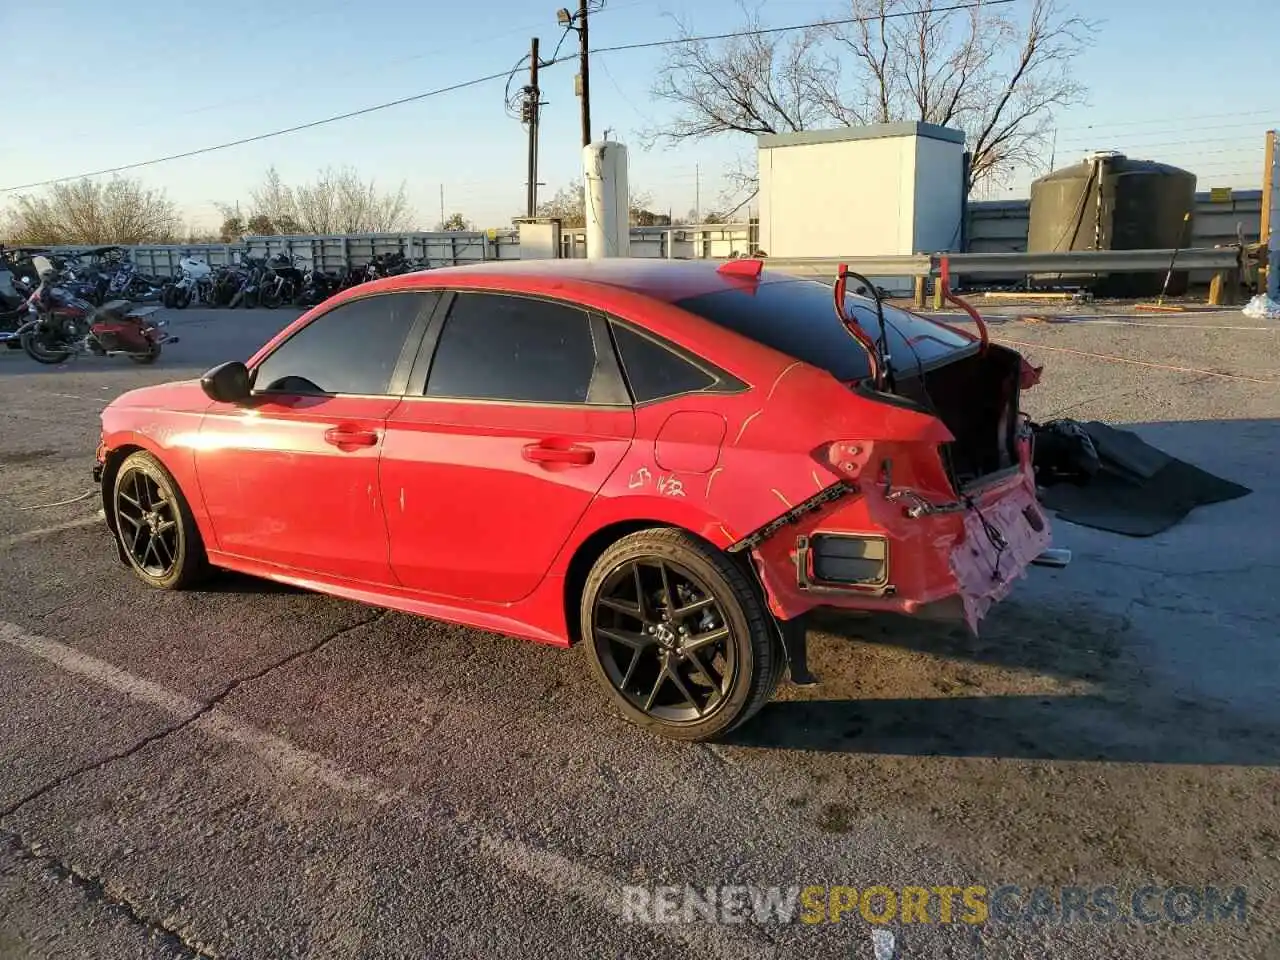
{"points": [[227, 383]]}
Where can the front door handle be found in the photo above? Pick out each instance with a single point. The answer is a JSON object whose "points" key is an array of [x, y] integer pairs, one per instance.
{"points": [[576, 455], [350, 437]]}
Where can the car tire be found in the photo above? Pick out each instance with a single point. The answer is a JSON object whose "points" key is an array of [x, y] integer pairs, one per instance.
{"points": [[655, 663], [144, 489]]}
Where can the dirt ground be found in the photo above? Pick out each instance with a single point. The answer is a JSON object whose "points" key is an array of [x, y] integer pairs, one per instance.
{"points": [[251, 771]]}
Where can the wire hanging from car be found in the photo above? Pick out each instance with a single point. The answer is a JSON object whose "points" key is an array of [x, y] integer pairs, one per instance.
{"points": [[59, 503], [882, 362], [994, 535]]}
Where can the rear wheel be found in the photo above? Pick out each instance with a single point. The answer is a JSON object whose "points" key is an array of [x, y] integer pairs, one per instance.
{"points": [[151, 356], [677, 636], [154, 524]]}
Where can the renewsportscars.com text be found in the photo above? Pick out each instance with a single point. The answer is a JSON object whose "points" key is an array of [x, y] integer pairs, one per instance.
{"points": [[971, 904]]}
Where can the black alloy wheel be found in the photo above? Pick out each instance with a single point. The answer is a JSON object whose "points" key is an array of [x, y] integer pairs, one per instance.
{"points": [[154, 524], [663, 640], [678, 636]]}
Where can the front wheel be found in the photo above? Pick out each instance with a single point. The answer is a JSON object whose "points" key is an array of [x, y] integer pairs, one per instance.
{"points": [[677, 635], [154, 524], [35, 343], [182, 298]]}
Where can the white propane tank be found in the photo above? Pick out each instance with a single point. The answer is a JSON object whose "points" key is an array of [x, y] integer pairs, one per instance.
{"points": [[606, 200]]}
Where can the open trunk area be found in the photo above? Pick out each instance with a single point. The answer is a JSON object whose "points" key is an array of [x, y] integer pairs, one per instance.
{"points": [[976, 397]]}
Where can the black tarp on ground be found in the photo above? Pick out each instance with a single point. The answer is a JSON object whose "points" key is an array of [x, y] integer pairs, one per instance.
{"points": [[1139, 490]]}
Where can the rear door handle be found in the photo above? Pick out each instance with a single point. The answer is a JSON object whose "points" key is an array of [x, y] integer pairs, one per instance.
{"points": [[540, 453], [343, 437]]}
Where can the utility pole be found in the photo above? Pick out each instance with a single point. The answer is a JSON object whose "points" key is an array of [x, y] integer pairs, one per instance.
{"points": [[582, 82], [442, 206], [697, 192], [529, 114], [584, 69], [1268, 231]]}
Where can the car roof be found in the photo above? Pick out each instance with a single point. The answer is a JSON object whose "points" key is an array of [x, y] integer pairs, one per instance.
{"points": [[657, 279]]}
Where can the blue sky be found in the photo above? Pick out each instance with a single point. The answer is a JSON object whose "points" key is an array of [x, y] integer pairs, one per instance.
{"points": [[1168, 79]]}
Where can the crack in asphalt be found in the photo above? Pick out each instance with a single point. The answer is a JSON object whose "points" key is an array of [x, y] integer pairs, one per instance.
{"points": [[96, 892], [206, 708], [95, 888]]}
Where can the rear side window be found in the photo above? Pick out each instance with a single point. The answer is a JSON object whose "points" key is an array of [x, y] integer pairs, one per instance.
{"points": [[501, 347], [653, 371], [352, 349], [798, 318]]}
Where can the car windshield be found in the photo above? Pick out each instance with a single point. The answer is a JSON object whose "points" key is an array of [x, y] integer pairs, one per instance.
{"points": [[798, 318]]}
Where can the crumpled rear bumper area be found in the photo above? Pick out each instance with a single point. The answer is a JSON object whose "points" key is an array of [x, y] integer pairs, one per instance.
{"points": [[1000, 540], [868, 551]]}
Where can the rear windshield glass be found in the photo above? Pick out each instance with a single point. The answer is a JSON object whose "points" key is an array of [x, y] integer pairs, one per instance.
{"points": [[798, 318]]}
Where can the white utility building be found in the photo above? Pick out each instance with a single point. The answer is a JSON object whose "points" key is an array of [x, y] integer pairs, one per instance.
{"points": [[891, 188]]}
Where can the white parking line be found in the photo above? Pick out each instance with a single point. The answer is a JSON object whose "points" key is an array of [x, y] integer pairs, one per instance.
{"points": [[275, 751], [596, 889], [32, 535]]}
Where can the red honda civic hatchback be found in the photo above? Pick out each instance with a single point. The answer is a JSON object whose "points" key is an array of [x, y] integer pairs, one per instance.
{"points": [[670, 463]]}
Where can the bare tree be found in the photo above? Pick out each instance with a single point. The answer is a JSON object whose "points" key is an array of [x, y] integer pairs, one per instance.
{"points": [[979, 69], [755, 83], [119, 210], [337, 201], [569, 204]]}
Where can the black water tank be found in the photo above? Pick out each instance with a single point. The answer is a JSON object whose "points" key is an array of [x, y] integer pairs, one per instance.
{"points": [[1109, 202]]}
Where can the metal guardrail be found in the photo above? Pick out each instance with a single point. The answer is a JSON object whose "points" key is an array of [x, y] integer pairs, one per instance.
{"points": [[1015, 264], [917, 265], [1094, 261]]}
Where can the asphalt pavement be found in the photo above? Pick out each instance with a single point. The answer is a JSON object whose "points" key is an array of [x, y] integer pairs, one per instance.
{"points": [[251, 771]]}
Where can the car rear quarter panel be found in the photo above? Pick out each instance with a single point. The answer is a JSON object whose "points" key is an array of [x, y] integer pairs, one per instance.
{"points": [[772, 458], [723, 484]]}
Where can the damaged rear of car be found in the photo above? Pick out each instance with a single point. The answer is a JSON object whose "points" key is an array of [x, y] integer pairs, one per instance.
{"points": [[918, 490]]}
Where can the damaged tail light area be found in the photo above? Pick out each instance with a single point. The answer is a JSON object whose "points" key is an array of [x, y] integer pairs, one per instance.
{"points": [[847, 459]]}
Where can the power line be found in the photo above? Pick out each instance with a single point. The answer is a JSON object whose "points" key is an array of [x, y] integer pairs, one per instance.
{"points": [[764, 31], [760, 31], [1172, 121], [363, 71], [266, 136]]}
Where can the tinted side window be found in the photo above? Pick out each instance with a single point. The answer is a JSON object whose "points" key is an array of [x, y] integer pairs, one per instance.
{"points": [[352, 349], [500, 347], [654, 371]]}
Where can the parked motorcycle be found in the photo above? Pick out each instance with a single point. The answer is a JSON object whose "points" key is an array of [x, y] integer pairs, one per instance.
{"points": [[14, 293], [248, 283], [128, 284], [60, 325], [282, 281], [318, 286], [194, 282]]}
